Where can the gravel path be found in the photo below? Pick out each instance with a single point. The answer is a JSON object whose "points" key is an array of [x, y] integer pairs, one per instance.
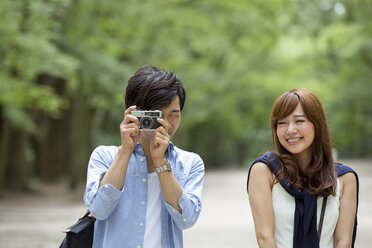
{"points": [[36, 220]]}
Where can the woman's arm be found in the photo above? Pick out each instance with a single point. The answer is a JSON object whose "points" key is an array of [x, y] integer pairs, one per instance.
{"points": [[348, 203], [259, 190]]}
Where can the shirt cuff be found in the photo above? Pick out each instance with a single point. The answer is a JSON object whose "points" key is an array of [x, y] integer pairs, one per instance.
{"points": [[187, 218], [109, 193], [104, 201], [182, 202], [92, 189]]}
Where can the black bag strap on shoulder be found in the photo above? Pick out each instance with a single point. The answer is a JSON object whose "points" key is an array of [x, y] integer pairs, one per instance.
{"points": [[320, 226]]}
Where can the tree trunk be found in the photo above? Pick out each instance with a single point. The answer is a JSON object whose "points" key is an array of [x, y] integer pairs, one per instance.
{"points": [[4, 150], [18, 172], [51, 145], [81, 118]]}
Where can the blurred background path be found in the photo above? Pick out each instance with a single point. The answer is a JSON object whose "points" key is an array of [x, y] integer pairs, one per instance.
{"points": [[36, 220]]}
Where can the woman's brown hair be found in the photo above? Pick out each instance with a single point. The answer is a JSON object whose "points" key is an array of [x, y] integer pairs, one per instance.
{"points": [[320, 176]]}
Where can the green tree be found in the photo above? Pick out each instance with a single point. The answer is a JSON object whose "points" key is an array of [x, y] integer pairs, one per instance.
{"points": [[64, 66]]}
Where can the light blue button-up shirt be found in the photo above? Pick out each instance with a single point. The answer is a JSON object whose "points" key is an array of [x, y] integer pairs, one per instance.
{"points": [[121, 215]]}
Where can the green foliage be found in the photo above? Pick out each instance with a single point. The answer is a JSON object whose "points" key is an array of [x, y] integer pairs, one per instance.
{"points": [[234, 57]]}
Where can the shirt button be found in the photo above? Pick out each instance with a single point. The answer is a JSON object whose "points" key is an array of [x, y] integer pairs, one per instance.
{"points": [[141, 224], [144, 180], [142, 159], [139, 149], [184, 219], [138, 246], [143, 203]]}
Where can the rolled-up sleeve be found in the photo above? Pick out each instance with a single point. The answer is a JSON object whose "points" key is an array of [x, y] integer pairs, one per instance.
{"points": [[190, 200], [101, 201]]}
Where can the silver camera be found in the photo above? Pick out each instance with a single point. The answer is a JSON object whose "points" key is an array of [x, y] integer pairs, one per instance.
{"points": [[147, 119]]}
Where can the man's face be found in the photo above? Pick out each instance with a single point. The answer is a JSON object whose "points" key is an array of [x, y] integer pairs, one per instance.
{"points": [[172, 115]]}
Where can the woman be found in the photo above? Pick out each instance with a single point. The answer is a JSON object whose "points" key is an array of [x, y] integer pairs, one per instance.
{"points": [[287, 189]]}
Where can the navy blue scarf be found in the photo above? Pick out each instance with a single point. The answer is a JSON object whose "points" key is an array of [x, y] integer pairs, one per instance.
{"points": [[305, 230]]}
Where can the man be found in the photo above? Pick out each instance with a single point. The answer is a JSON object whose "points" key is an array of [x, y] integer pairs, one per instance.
{"points": [[146, 191]]}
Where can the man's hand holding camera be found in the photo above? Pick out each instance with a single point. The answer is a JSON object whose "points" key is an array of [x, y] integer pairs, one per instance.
{"points": [[135, 122], [159, 143], [129, 131], [131, 127]]}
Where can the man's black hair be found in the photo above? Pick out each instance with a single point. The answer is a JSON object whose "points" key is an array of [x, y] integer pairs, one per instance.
{"points": [[151, 88]]}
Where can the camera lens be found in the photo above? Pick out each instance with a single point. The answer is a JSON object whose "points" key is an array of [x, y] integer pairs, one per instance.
{"points": [[146, 122]]}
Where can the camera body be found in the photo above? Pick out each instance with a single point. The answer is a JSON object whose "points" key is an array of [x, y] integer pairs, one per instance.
{"points": [[147, 119]]}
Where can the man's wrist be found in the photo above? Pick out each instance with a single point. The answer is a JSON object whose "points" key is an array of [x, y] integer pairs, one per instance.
{"points": [[165, 167], [124, 151], [159, 162]]}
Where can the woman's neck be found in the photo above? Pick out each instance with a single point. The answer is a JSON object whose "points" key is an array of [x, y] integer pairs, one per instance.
{"points": [[303, 160]]}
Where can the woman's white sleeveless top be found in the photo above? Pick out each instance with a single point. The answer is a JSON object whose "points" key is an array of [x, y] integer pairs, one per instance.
{"points": [[284, 209]]}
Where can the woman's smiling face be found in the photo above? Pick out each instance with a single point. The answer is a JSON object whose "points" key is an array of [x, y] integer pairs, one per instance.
{"points": [[296, 133]]}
